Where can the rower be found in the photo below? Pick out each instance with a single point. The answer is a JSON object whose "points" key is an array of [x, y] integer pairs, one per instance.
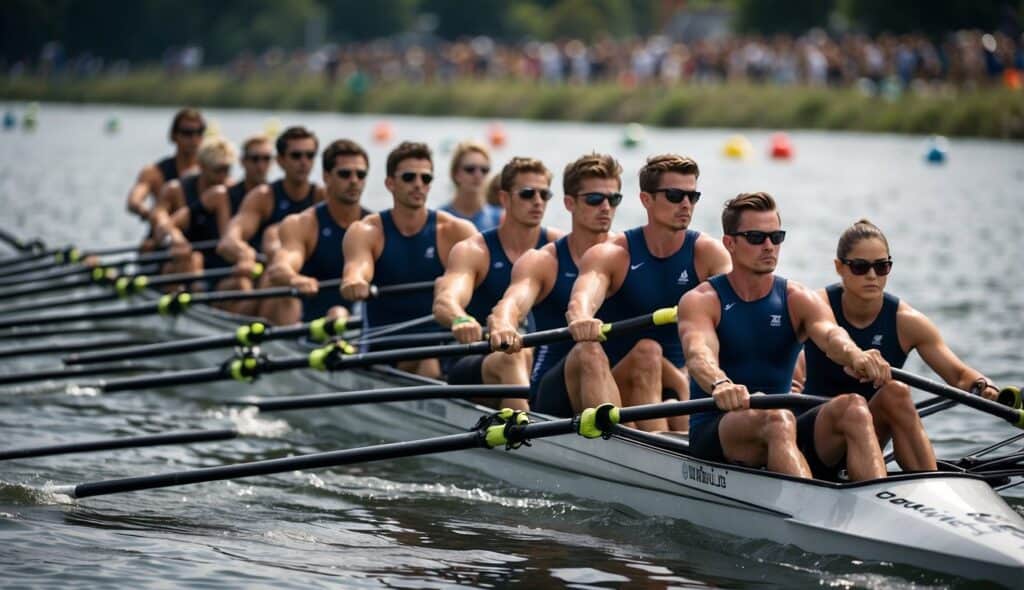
{"points": [[480, 268], [197, 220], [257, 154], [311, 240], [255, 224], [741, 333], [471, 163], [186, 133], [646, 268], [879, 320], [405, 244], [542, 279]]}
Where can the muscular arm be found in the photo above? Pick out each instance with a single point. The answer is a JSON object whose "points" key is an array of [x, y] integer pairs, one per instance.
{"points": [[467, 263], [294, 233], [161, 216], [602, 267], [148, 183], [698, 312], [711, 257], [533, 276], [234, 245], [362, 246], [921, 334], [450, 231]]}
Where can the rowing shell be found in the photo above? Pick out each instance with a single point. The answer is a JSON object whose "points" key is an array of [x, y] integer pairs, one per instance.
{"points": [[953, 523]]}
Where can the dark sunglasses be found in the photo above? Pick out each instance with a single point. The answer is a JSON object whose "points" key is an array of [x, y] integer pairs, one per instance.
{"points": [[676, 195], [473, 169], [757, 238], [859, 266], [347, 173], [298, 155], [190, 131], [410, 177], [257, 157], [528, 192], [595, 199]]}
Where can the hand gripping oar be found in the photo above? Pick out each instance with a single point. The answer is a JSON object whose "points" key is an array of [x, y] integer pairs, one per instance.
{"points": [[79, 268], [1012, 415], [324, 400], [74, 260], [125, 287], [505, 428], [170, 304], [339, 356]]}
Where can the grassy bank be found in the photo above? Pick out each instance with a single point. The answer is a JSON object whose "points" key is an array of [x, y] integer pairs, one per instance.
{"points": [[994, 113]]}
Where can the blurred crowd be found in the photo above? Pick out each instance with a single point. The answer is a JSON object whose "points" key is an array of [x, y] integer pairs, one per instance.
{"points": [[962, 59]]}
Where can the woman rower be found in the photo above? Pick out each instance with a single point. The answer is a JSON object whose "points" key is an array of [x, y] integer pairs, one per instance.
{"points": [[471, 163], [880, 320]]}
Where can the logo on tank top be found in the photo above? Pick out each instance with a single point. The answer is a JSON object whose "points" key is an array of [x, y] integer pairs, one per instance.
{"points": [[776, 321], [684, 278], [570, 275], [282, 205], [728, 306], [429, 252], [498, 264], [326, 232], [635, 266], [876, 340]]}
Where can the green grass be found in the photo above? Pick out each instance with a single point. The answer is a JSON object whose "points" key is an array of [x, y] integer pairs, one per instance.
{"points": [[994, 113]]}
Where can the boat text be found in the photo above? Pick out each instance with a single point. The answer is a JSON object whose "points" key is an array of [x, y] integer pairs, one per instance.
{"points": [[708, 476]]}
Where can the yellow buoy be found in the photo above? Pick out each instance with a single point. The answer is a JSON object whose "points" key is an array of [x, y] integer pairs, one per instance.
{"points": [[737, 147]]}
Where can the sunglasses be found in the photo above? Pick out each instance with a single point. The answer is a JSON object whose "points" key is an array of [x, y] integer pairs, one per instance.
{"points": [[298, 155], [190, 131], [346, 173], [528, 192], [595, 199], [410, 177], [757, 238], [259, 158], [473, 169], [676, 195], [859, 266]]}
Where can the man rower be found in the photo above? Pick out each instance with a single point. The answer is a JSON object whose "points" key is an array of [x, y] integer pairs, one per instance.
{"points": [[542, 279], [646, 268], [405, 244], [186, 133], [197, 220], [471, 163], [742, 331], [479, 271], [257, 156], [879, 320], [255, 224], [311, 240]]}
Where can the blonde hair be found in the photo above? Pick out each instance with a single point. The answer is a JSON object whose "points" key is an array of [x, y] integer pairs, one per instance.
{"points": [[215, 151], [464, 148]]}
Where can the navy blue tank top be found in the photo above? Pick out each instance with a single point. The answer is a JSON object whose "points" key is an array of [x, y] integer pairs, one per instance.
{"points": [[488, 217], [168, 167], [499, 275], [282, 207], [405, 259], [825, 377], [757, 344], [325, 262], [652, 283], [236, 194], [202, 225]]}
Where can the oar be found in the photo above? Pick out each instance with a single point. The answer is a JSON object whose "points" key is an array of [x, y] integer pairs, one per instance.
{"points": [[74, 258], [78, 346], [289, 403], [32, 247], [333, 357], [69, 372], [79, 268], [100, 276], [125, 287], [487, 434], [1012, 415], [61, 256], [171, 304], [251, 334], [23, 334]]}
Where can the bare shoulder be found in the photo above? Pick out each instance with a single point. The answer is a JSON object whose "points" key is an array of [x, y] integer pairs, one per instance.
{"points": [[319, 193], [471, 246], [617, 240], [701, 300], [367, 225], [452, 226], [909, 318], [554, 233], [538, 259], [707, 245]]}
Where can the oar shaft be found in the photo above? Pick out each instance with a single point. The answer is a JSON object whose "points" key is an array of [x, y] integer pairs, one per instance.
{"points": [[442, 444], [75, 267], [1011, 415], [51, 347], [128, 442], [68, 373], [191, 377], [394, 394]]}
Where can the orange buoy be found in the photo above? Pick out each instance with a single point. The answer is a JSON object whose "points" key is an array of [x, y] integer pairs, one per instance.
{"points": [[781, 147], [383, 132], [496, 135]]}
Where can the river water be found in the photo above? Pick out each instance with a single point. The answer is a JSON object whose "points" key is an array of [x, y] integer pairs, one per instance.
{"points": [[955, 232]]}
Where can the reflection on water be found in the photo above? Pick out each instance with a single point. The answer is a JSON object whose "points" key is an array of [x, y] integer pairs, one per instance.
{"points": [[426, 524]]}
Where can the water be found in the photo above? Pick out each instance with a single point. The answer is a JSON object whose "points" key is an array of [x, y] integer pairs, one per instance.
{"points": [[955, 233]]}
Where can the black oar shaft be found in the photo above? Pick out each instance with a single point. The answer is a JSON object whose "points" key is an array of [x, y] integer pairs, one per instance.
{"points": [[1011, 415], [192, 377], [68, 373], [76, 268], [127, 442], [442, 444], [51, 347], [395, 394]]}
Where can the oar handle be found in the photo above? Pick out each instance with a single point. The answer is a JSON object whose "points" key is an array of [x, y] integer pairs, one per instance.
{"points": [[1011, 415]]}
